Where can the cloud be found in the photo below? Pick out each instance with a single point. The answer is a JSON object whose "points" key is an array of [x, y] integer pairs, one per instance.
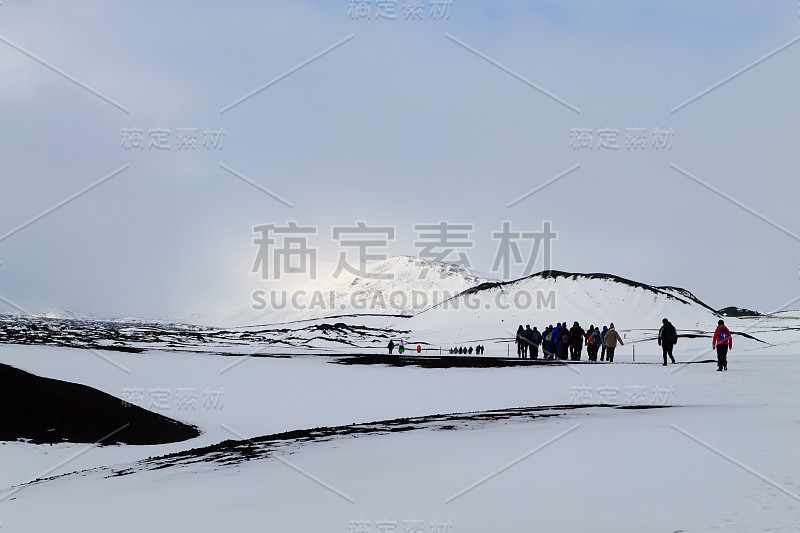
{"points": [[397, 126]]}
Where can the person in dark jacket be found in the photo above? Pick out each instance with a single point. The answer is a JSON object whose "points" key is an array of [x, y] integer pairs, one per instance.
{"points": [[563, 342], [520, 340], [547, 343], [576, 340], [667, 338], [593, 343], [528, 340], [722, 342], [536, 340], [391, 346]]}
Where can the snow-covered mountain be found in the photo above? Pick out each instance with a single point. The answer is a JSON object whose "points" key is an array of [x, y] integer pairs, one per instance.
{"points": [[397, 286], [492, 310], [486, 311]]}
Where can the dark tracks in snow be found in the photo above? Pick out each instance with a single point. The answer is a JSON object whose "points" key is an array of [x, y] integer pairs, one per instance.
{"points": [[233, 452]]}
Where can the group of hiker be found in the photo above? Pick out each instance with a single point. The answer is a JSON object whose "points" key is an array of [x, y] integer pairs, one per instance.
{"points": [[563, 343], [400, 347], [721, 342], [468, 350]]}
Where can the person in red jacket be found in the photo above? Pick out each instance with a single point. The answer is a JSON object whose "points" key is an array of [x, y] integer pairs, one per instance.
{"points": [[722, 343]]}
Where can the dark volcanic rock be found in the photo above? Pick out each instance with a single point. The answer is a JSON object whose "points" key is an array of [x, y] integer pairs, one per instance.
{"points": [[737, 311], [44, 410]]}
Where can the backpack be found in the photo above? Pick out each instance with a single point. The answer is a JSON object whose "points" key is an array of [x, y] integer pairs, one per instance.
{"points": [[536, 337], [565, 338], [724, 335], [549, 337], [594, 340]]}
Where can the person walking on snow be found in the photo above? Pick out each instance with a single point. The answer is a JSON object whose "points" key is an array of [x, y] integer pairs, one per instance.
{"points": [[556, 339], [610, 340], [576, 340], [547, 343], [722, 342], [391, 346], [563, 342], [593, 344], [528, 341], [589, 333], [603, 343], [520, 340], [536, 340], [667, 338]]}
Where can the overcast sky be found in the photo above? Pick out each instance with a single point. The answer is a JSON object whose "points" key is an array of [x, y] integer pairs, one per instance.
{"points": [[402, 122]]}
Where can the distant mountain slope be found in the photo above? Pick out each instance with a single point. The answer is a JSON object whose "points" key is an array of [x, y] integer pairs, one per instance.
{"points": [[493, 309], [399, 285]]}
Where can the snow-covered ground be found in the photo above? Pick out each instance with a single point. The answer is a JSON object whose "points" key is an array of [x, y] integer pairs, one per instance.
{"points": [[628, 446], [609, 469]]}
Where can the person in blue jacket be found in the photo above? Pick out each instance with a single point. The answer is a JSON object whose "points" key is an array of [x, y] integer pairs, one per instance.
{"points": [[603, 337]]}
